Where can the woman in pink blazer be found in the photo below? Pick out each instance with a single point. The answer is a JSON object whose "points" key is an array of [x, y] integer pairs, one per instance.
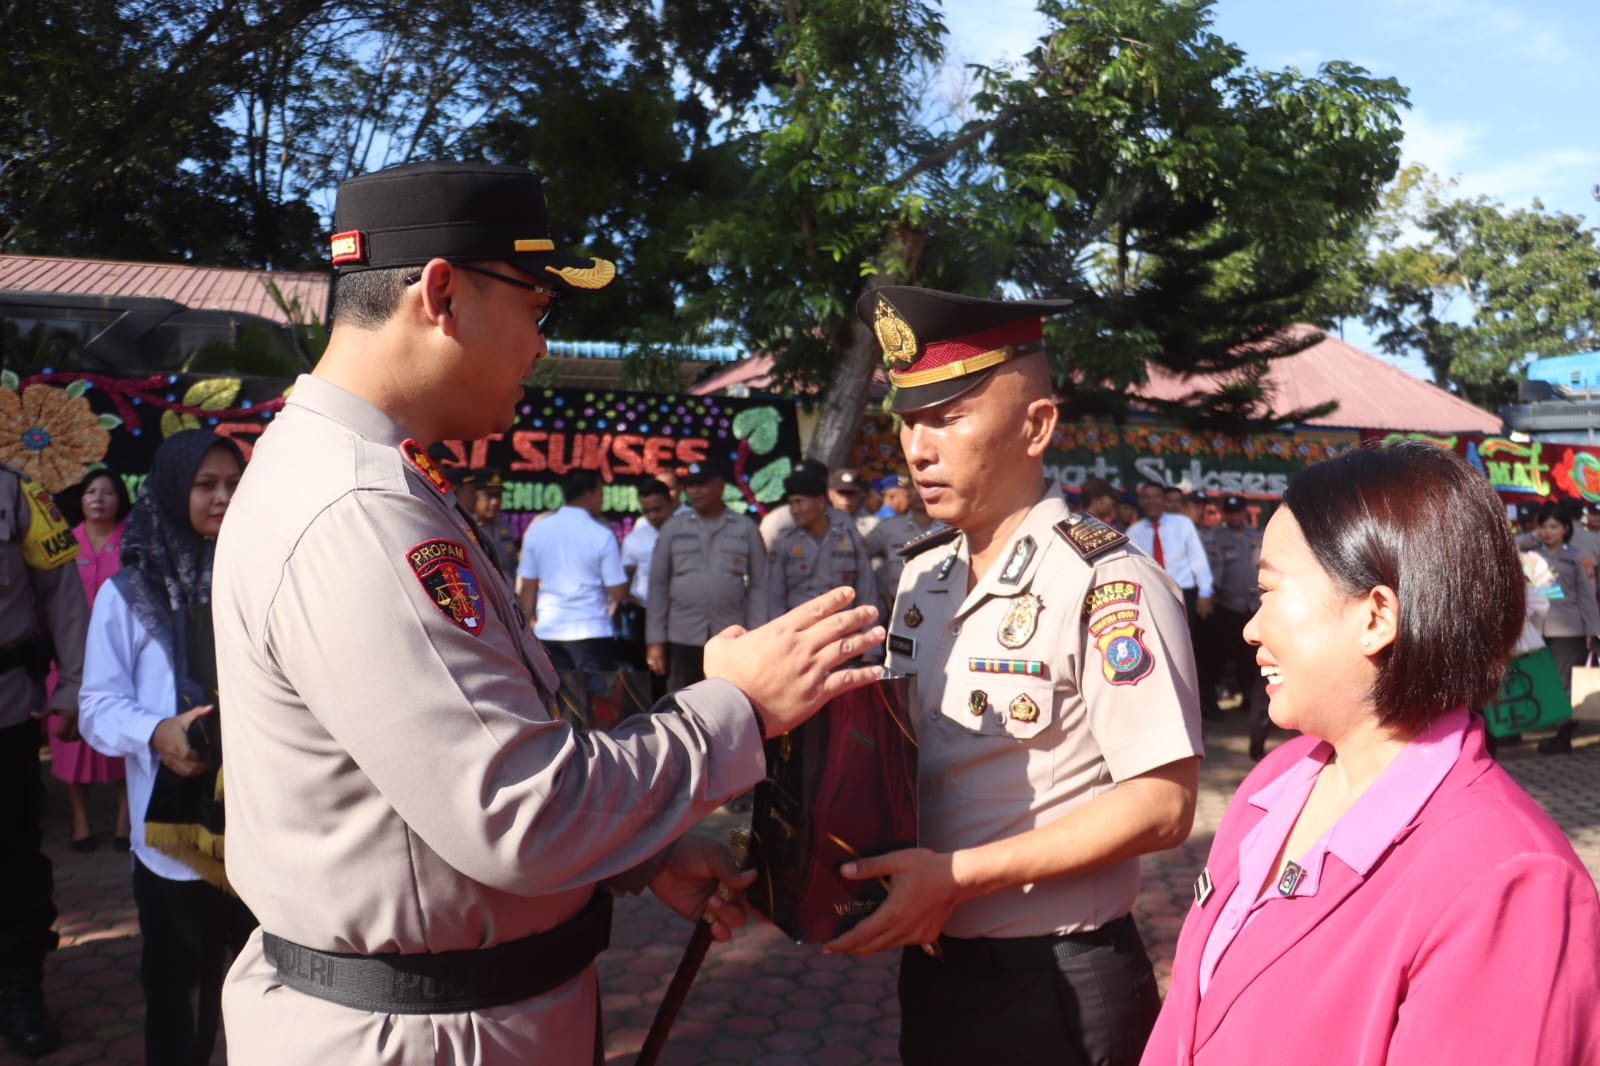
{"points": [[1380, 890]]}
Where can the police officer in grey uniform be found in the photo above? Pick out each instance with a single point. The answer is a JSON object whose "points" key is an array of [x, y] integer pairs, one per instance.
{"points": [[886, 539], [421, 838], [1237, 548], [708, 572], [1057, 715], [42, 607], [820, 552]]}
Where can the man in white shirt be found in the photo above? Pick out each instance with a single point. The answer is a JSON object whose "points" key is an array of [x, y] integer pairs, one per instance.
{"points": [[1173, 541], [570, 578], [656, 504]]}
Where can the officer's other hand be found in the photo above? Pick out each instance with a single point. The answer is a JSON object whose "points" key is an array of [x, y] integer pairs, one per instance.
{"points": [[688, 881], [788, 667], [1202, 606], [67, 726], [922, 895], [171, 742], [655, 657]]}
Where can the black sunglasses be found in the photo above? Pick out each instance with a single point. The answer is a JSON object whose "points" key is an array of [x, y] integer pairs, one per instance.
{"points": [[544, 316]]}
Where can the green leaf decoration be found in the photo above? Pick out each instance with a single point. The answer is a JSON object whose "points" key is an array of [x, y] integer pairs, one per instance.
{"points": [[77, 388], [212, 394], [759, 426], [767, 483], [109, 421], [172, 422], [9, 379]]}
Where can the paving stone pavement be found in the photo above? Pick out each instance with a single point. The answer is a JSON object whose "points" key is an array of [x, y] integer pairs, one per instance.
{"points": [[759, 999]]}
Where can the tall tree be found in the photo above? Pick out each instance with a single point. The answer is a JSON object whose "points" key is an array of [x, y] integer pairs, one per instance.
{"points": [[1192, 204], [1479, 289]]}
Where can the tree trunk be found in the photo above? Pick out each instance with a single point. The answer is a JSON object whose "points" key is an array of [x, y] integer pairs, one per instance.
{"points": [[845, 403]]}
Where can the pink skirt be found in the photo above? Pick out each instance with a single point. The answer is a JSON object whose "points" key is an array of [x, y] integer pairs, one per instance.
{"points": [[77, 763]]}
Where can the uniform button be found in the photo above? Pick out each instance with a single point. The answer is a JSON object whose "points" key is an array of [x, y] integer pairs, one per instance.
{"points": [[955, 628], [933, 715]]}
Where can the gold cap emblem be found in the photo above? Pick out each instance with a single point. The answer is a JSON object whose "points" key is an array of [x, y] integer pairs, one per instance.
{"points": [[899, 344]]}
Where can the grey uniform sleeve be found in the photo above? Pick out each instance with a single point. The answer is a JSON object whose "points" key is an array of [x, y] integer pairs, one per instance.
{"points": [[757, 606], [445, 721], [655, 611], [62, 611]]}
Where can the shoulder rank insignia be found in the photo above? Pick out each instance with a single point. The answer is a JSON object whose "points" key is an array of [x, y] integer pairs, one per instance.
{"points": [[424, 464], [1087, 535], [918, 545], [446, 575]]}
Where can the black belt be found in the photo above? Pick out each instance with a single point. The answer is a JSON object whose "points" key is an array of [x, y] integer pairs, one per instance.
{"points": [[1025, 953], [447, 982]]}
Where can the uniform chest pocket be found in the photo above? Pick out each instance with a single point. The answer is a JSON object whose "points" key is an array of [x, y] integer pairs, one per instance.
{"points": [[736, 562], [796, 568], [1007, 735], [685, 554]]}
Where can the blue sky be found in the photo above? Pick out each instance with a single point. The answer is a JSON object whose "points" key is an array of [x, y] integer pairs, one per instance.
{"points": [[1505, 94]]}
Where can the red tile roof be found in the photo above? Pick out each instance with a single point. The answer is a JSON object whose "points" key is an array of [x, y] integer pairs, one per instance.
{"points": [[192, 286], [1372, 394]]}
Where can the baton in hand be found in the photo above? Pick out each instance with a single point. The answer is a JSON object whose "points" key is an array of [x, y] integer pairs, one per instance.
{"points": [[689, 966]]}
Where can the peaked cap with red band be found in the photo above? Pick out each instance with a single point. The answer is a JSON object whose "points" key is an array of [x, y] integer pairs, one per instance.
{"points": [[937, 345], [475, 212]]}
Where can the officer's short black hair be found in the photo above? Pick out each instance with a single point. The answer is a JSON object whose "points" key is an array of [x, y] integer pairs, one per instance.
{"points": [[651, 487], [1096, 487], [1553, 509], [1151, 483], [368, 298], [1404, 516], [578, 483]]}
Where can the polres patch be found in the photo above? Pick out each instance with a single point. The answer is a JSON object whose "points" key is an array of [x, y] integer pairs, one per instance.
{"points": [[1126, 660], [446, 576]]}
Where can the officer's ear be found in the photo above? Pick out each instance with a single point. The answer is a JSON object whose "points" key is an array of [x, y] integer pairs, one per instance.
{"points": [[1039, 425], [438, 289]]}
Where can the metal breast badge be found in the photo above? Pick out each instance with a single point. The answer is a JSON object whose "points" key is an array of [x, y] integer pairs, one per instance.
{"points": [[1021, 621]]}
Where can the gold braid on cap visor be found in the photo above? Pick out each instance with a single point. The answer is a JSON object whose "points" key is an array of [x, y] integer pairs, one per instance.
{"points": [[962, 367]]}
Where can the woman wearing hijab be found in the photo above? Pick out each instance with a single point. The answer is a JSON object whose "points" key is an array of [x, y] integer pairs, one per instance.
{"points": [[1380, 891], [149, 695], [103, 500]]}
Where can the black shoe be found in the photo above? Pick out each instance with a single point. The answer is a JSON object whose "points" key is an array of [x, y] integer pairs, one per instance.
{"points": [[120, 843], [83, 844], [1555, 746], [27, 1026]]}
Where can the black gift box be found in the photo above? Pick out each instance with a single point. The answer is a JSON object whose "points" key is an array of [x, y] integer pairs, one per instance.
{"points": [[842, 786]]}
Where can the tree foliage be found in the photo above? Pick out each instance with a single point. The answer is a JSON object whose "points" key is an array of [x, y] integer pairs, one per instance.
{"points": [[1192, 204], [1479, 289]]}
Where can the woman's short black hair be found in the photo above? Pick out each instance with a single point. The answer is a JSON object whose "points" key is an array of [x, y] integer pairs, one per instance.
{"points": [[1551, 509], [1419, 519], [70, 502]]}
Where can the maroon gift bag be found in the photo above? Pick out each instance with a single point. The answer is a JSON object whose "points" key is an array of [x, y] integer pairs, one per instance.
{"points": [[842, 786]]}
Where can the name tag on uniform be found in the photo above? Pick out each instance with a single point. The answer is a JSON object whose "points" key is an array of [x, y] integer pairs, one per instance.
{"points": [[900, 645]]}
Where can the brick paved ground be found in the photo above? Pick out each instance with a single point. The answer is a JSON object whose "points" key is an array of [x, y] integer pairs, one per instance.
{"points": [[759, 999]]}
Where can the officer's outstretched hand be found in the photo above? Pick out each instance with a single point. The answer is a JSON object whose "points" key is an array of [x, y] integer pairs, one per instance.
{"points": [[688, 881], [789, 667], [171, 742], [922, 895]]}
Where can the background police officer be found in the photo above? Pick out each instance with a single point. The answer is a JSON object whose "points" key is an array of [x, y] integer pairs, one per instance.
{"points": [[1237, 548], [890, 534], [42, 607], [1057, 721], [821, 551], [709, 571]]}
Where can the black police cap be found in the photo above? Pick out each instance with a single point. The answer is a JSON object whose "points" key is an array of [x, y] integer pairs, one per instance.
{"points": [[805, 482], [707, 469], [406, 215], [937, 345]]}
